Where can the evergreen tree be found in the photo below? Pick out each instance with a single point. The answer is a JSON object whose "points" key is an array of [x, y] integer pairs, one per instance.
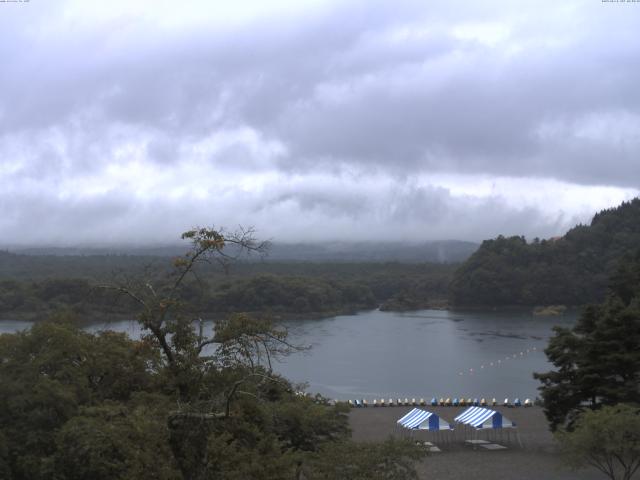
{"points": [[598, 360]]}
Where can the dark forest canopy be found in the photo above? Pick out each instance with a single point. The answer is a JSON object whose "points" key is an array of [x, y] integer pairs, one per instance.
{"points": [[322, 280], [32, 287], [570, 270]]}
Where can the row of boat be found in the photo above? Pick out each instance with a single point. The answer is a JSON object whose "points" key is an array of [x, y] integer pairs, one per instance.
{"points": [[442, 402]]}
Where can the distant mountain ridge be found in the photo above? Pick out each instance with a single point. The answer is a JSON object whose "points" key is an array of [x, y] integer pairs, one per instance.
{"points": [[571, 270], [447, 251]]}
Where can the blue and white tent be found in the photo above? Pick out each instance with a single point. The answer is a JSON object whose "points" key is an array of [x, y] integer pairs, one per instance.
{"points": [[418, 419], [483, 418]]}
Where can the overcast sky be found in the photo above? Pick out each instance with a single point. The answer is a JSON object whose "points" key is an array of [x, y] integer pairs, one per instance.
{"points": [[130, 121]]}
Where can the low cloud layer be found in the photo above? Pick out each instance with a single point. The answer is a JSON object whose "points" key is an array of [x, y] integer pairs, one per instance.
{"points": [[343, 120]]}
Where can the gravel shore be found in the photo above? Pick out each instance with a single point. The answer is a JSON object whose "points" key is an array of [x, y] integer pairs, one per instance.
{"points": [[538, 458]]}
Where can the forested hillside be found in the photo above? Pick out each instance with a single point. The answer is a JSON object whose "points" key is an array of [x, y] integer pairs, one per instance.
{"points": [[570, 270], [32, 287]]}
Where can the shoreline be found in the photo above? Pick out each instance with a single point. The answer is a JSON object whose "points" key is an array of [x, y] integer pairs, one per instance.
{"points": [[103, 317], [100, 317]]}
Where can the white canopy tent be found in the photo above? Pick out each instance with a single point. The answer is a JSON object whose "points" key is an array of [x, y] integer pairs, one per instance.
{"points": [[421, 420], [481, 419]]}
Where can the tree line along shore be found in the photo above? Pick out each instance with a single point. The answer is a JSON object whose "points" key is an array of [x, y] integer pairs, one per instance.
{"points": [[545, 275]]}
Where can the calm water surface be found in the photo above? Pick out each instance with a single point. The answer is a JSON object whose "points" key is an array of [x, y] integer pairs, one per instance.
{"points": [[423, 354], [416, 354]]}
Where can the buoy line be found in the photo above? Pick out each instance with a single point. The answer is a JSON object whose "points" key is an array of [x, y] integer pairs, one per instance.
{"points": [[499, 362], [434, 402]]}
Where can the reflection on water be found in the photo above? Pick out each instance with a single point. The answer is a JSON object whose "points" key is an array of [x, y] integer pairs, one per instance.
{"points": [[418, 354]]}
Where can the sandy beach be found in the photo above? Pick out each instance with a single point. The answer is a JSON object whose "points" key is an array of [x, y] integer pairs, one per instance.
{"points": [[538, 458]]}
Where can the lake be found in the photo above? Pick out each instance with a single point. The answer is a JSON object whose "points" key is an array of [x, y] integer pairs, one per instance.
{"points": [[427, 353]]}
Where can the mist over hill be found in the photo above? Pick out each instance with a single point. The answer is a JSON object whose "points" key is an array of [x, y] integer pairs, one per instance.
{"points": [[447, 251]]}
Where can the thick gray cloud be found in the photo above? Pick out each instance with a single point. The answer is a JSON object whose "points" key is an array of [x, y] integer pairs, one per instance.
{"points": [[314, 209], [325, 122]]}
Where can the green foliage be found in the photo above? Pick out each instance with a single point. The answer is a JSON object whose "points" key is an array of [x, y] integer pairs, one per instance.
{"points": [[272, 294], [263, 458], [308, 425], [115, 442], [50, 373], [34, 287], [391, 460], [177, 404], [316, 290], [41, 299], [607, 439], [79, 405], [597, 362], [571, 270]]}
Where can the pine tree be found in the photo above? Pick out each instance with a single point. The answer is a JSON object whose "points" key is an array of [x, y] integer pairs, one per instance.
{"points": [[598, 360]]}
